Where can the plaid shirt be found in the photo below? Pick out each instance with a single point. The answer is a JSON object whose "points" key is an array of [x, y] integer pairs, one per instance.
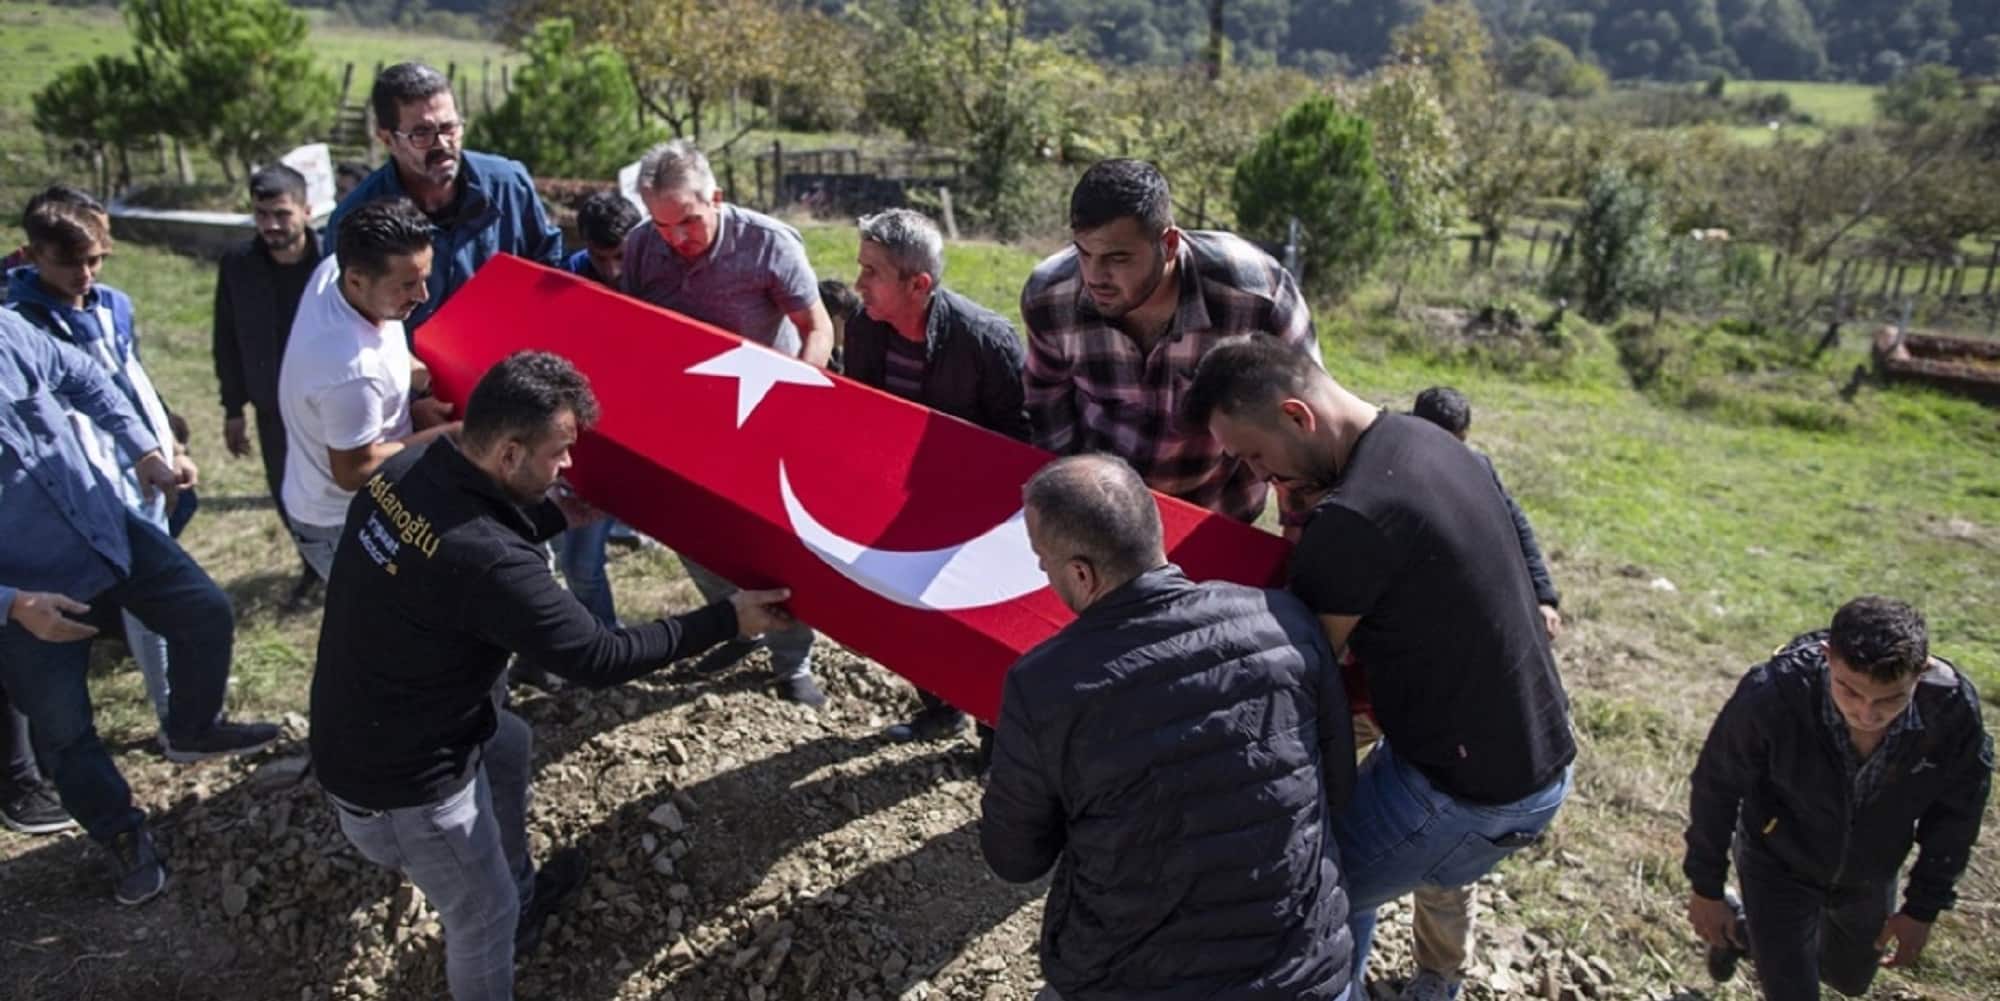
{"points": [[1866, 773], [1089, 389]]}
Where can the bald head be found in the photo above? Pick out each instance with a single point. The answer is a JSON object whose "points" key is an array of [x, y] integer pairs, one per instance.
{"points": [[1096, 509]]}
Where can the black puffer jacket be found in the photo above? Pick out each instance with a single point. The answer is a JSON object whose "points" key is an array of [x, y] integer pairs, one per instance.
{"points": [[1175, 753], [1772, 774]]}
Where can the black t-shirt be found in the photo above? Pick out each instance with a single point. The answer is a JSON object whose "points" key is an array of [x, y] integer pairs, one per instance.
{"points": [[1415, 540]]}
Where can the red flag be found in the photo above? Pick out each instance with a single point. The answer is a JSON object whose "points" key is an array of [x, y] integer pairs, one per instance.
{"points": [[898, 529]]}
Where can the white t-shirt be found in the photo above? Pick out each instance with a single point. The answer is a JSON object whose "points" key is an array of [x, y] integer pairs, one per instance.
{"points": [[345, 383]]}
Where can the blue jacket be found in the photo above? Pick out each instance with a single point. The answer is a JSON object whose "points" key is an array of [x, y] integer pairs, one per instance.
{"points": [[498, 213]]}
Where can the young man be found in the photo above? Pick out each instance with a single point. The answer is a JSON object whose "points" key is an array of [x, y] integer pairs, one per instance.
{"points": [[746, 273], [1118, 320], [344, 387], [1411, 560], [1833, 757], [482, 205], [440, 578], [71, 542], [257, 293], [1174, 754], [58, 291], [929, 345], [53, 193]]}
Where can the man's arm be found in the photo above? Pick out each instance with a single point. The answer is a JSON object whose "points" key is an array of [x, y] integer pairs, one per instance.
{"points": [[228, 352], [1730, 761], [1049, 394], [545, 239], [81, 383], [1947, 830], [351, 422], [353, 466], [1002, 403], [815, 334], [1021, 830]]}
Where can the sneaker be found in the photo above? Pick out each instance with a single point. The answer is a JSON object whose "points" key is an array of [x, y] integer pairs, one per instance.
{"points": [[1722, 960], [224, 739], [1429, 986], [802, 690], [934, 723], [723, 657], [555, 881], [142, 874], [35, 810]]}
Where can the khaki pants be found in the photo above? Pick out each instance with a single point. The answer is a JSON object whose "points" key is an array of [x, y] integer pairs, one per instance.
{"points": [[1443, 918]]}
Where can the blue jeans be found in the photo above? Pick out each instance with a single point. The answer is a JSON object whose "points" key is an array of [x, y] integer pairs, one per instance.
{"points": [[1400, 832], [791, 649], [48, 683], [317, 544], [468, 853], [580, 557]]}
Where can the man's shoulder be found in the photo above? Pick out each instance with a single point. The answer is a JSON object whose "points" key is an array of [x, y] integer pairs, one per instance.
{"points": [[1055, 271], [973, 317], [1951, 692], [762, 229], [491, 171], [1232, 262]]}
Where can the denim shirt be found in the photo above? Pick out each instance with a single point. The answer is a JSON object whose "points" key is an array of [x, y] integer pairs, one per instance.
{"points": [[63, 523], [496, 212]]}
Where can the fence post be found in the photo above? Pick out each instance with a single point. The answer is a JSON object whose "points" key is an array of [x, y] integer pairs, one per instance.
{"points": [[950, 217], [777, 172], [346, 83], [1992, 265], [1534, 241]]}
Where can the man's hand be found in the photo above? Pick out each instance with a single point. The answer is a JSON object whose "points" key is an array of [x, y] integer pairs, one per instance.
{"points": [[157, 476], [236, 435], [428, 412], [1552, 621], [42, 614], [1713, 921], [757, 612], [1909, 934], [186, 473]]}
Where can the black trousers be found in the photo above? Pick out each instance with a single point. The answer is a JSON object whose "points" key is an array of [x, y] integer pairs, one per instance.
{"points": [[17, 756], [271, 444], [1803, 935]]}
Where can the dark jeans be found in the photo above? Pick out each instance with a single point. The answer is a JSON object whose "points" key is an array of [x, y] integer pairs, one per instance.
{"points": [[271, 450], [17, 757], [1803, 935], [48, 681]]}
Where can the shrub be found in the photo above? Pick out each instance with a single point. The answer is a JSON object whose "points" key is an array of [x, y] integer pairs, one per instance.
{"points": [[572, 111], [1616, 260], [1317, 165]]}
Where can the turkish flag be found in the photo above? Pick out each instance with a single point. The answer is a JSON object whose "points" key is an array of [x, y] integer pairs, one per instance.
{"points": [[898, 529]]}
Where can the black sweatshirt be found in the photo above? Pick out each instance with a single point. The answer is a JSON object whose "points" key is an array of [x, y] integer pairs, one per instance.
{"points": [[437, 579], [255, 298]]}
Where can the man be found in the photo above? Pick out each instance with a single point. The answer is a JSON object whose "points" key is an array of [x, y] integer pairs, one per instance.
{"points": [[1174, 753], [927, 344], [53, 193], [482, 205], [1831, 759], [1411, 561], [1118, 320], [71, 542], [344, 387], [257, 292], [746, 273], [440, 577]]}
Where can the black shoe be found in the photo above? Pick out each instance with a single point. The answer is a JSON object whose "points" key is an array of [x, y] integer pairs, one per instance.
{"points": [[932, 723], [802, 690], [523, 673], [223, 739], [555, 882], [1722, 960], [35, 810], [307, 592], [723, 657], [141, 872]]}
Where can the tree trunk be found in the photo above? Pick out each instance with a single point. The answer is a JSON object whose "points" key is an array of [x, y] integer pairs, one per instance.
{"points": [[1214, 40]]}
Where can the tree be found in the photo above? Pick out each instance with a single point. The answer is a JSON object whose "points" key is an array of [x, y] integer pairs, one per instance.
{"points": [[1616, 257], [1318, 166], [1451, 42], [572, 111], [1196, 130], [104, 106], [1545, 66], [1416, 150], [1503, 162], [1923, 95]]}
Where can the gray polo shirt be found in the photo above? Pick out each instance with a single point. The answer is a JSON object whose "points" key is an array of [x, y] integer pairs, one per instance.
{"points": [[751, 278]]}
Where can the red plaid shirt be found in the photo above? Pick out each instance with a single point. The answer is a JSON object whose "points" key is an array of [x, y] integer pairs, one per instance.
{"points": [[1090, 390]]}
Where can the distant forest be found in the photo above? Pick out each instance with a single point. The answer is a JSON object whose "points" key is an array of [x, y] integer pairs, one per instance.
{"points": [[1866, 40]]}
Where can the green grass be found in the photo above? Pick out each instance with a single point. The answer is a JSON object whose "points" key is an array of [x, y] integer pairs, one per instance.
{"points": [[990, 274], [1830, 104]]}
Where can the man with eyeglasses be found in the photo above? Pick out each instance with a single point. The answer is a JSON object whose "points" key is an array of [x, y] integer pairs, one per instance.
{"points": [[479, 205]]}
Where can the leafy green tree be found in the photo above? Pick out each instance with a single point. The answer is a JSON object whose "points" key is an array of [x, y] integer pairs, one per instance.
{"points": [[1545, 66], [1921, 96], [572, 111], [1196, 130], [1416, 150], [1615, 260], [1317, 165], [104, 106]]}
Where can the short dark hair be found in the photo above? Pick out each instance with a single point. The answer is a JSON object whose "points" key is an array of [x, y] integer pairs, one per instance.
{"points": [[839, 298], [1445, 407], [1100, 508], [1881, 637], [1247, 375], [276, 181], [520, 397], [402, 84], [377, 230], [60, 194], [352, 170], [1120, 189], [67, 227], [603, 218]]}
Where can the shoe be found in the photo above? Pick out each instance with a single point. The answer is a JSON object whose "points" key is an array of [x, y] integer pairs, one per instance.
{"points": [[802, 690], [225, 738], [934, 723], [1722, 960], [35, 810], [555, 882], [520, 672], [1429, 986], [307, 592], [723, 657], [141, 872]]}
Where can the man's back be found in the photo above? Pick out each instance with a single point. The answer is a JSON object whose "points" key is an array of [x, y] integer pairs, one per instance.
{"points": [[1179, 747]]}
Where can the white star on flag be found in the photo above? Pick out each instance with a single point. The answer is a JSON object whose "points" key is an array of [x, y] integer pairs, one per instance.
{"points": [[756, 370]]}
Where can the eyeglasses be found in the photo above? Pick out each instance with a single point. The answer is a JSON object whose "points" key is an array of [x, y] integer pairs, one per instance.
{"points": [[426, 136]]}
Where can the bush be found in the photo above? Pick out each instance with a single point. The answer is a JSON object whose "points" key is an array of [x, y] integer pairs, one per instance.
{"points": [[1318, 166], [1615, 259], [572, 111]]}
